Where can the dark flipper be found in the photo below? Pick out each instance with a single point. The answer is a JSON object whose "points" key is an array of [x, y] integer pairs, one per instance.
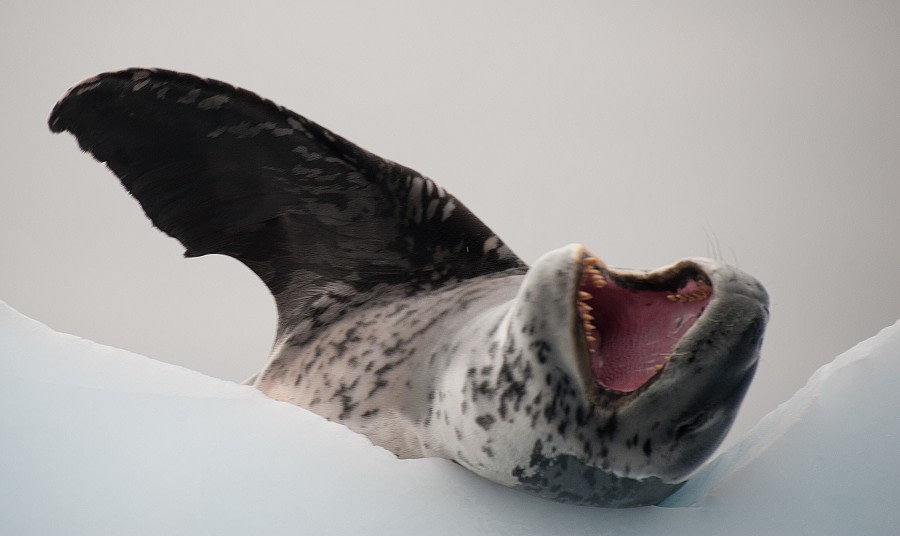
{"points": [[316, 217]]}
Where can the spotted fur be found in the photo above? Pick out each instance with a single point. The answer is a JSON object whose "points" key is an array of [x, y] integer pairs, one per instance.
{"points": [[402, 315]]}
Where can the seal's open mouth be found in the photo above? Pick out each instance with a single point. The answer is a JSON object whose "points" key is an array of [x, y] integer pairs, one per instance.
{"points": [[632, 321]]}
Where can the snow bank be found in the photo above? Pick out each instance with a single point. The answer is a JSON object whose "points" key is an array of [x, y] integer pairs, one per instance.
{"points": [[101, 441]]}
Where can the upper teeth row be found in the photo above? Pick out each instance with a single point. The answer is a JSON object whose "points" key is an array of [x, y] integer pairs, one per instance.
{"points": [[590, 270], [587, 322], [698, 295]]}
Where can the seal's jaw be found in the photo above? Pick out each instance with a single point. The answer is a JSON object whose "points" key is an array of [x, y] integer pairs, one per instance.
{"points": [[631, 322]]}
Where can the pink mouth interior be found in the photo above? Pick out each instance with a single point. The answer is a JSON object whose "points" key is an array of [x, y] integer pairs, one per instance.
{"points": [[635, 332]]}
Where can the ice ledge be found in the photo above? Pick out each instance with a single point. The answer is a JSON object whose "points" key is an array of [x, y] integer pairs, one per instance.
{"points": [[102, 441]]}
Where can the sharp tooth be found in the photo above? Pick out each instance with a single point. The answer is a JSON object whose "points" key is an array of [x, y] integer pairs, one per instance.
{"points": [[590, 338], [667, 358], [582, 295], [587, 317], [658, 367], [594, 261], [695, 296]]}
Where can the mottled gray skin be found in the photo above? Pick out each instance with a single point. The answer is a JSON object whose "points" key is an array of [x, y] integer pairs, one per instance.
{"points": [[400, 314]]}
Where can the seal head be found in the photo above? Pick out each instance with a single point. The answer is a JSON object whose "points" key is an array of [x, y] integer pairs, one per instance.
{"points": [[627, 381]]}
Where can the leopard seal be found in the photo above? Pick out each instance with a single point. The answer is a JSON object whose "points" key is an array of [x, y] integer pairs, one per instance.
{"points": [[402, 316]]}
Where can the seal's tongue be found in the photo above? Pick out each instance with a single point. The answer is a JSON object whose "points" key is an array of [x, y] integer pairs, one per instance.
{"points": [[632, 333]]}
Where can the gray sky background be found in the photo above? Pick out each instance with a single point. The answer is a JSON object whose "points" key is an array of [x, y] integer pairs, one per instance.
{"points": [[765, 134]]}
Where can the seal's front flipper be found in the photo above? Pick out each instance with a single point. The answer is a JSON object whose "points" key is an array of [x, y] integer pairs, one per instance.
{"points": [[316, 217]]}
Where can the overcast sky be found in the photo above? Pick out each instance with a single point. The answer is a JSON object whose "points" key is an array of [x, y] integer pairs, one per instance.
{"points": [[764, 134]]}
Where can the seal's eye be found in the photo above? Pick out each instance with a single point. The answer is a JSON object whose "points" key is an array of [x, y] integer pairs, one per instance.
{"points": [[691, 425]]}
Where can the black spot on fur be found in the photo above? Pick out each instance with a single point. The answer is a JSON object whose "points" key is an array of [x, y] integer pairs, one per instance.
{"points": [[379, 385], [482, 389], [485, 421], [347, 406], [542, 349], [609, 428]]}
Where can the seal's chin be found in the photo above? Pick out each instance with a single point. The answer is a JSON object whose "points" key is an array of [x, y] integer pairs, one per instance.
{"points": [[632, 322]]}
